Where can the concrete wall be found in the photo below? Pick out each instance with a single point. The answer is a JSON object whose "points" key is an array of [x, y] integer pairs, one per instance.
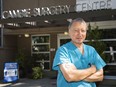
{"points": [[24, 43]]}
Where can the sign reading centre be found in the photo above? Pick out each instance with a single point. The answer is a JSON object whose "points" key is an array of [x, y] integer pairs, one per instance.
{"points": [[11, 72], [86, 5]]}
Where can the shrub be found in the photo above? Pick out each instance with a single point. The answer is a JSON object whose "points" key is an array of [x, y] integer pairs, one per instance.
{"points": [[37, 73]]}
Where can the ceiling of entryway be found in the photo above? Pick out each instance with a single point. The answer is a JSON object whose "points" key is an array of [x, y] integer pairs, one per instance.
{"points": [[57, 20]]}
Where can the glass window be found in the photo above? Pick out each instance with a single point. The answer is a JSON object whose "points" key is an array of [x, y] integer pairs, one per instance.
{"points": [[41, 50], [1, 37], [63, 41], [108, 33]]}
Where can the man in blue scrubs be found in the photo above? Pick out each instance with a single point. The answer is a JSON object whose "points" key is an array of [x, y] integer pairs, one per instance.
{"points": [[78, 64]]}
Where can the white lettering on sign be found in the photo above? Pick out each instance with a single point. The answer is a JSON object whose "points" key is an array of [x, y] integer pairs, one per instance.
{"points": [[86, 5], [53, 10], [10, 65], [81, 5], [10, 72]]}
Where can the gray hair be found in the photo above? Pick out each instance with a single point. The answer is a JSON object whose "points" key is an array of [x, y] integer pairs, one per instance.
{"points": [[80, 20]]}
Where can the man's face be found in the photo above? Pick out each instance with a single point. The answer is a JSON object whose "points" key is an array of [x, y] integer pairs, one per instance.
{"points": [[77, 32]]}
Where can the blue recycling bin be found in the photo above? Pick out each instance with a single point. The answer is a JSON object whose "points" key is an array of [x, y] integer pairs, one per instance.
{"points": [[11, 72]]}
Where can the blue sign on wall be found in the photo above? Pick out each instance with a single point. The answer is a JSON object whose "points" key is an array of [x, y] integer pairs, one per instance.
{"points": [[11, 72]]}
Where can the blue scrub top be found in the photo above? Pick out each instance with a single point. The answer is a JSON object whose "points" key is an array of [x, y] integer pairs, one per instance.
{"points": [[69, 53]]}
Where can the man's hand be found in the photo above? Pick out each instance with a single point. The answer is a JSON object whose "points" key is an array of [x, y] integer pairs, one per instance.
{"points": [[97, 76], [93, 69]]}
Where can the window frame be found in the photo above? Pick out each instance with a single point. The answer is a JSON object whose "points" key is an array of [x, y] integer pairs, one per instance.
{"points": [[1, 36]]}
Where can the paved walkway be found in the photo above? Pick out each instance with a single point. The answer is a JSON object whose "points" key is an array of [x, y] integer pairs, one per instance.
{"points": [[51, 82], [45, 82]]}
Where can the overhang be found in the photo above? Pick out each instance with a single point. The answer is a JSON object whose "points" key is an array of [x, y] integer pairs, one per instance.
{"points": [[57, 20]]}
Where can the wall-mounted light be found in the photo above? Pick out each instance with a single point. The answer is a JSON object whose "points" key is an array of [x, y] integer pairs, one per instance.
{"points": [[65, 33], [26, 35], [46, 21], [69, 20]]}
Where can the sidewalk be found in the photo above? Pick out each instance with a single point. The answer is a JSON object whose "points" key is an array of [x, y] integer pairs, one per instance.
{"points": [[51, 82], [44, 82]]}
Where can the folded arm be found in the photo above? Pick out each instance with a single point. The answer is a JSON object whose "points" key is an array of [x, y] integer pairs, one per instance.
{"points": [[71, 73], [98, 76]]}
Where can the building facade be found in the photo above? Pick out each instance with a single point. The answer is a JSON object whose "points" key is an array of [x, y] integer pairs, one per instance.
{"points": [[46, 21]]}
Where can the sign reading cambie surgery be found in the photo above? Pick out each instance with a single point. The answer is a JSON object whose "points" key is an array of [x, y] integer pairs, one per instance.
{"points": [[52, 10], [86, 5]]}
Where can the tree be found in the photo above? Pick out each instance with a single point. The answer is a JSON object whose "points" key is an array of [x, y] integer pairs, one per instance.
{"points": [[94, 39]]}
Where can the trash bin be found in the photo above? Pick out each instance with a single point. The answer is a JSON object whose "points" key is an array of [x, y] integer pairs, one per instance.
{"points": [[11, 72]]}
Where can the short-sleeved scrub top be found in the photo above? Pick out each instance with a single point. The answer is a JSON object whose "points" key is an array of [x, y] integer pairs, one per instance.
{"points": [[69, 53]]}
